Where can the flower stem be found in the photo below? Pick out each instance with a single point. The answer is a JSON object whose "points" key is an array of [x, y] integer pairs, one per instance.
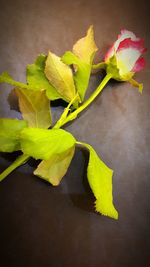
{"points": [[19, 161], [74, 114], [65, 113], [101, 65]]}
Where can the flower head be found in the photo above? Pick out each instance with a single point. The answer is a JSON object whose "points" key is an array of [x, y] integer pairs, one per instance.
{"points": [[123, 59]]}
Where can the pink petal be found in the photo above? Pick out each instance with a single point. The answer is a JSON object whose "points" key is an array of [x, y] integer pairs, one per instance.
{"points": [[139, 64], [128, 43], [129, 34], [126, 39], [109, 53], [122, 36], [126, 59]]}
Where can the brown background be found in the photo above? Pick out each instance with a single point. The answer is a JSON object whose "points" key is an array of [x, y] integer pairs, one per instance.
{"points": [[45, 226]]}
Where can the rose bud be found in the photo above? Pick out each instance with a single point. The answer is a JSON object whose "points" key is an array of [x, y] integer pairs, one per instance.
{"points": [[123, 59]]}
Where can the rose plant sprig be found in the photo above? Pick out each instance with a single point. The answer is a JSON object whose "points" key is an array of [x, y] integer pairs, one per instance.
{"points": [[50, 78]]}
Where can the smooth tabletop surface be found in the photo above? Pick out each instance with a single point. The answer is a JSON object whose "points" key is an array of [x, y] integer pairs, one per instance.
{"points": [[41, 225]]}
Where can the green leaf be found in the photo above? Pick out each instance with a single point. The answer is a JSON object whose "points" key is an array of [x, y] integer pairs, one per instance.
{"points": [[35, 107], [60, 76], [53, 169], [100, 181], [9, 134], [82, 74], [36, 78], [6, 78], [42, 143], [82, 58], [85, 48]]}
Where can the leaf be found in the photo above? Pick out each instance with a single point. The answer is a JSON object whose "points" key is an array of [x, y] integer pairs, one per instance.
{"points": [[82, 58], [9, 134], [82, 74], [35, 107], [36, 78], [60, 76], [53, 169], [42, 143], [100, 181], [6, 78], [85, 48]]}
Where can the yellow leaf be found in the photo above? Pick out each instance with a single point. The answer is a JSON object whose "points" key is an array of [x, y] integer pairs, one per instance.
{"points": [[53, 169], [60, 76], [35, 107], [85, 48]]}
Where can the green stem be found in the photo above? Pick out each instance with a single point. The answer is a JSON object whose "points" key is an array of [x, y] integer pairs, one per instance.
{"points": [[65, 113], [101, 65], [74, 114], [19, 161], [79, 143]]}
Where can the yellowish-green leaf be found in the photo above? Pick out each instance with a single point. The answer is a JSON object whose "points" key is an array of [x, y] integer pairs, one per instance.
{"points": [[85, 48], [53, 169], [60, 76], [100, 181], [43, 143], [82, 58], [6, 78], [35, 107], [82, 74], [10, 133], [36, 78]]}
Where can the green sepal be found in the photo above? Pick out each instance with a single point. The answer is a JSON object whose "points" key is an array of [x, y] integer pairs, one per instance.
{"points": [[113, 69]]}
